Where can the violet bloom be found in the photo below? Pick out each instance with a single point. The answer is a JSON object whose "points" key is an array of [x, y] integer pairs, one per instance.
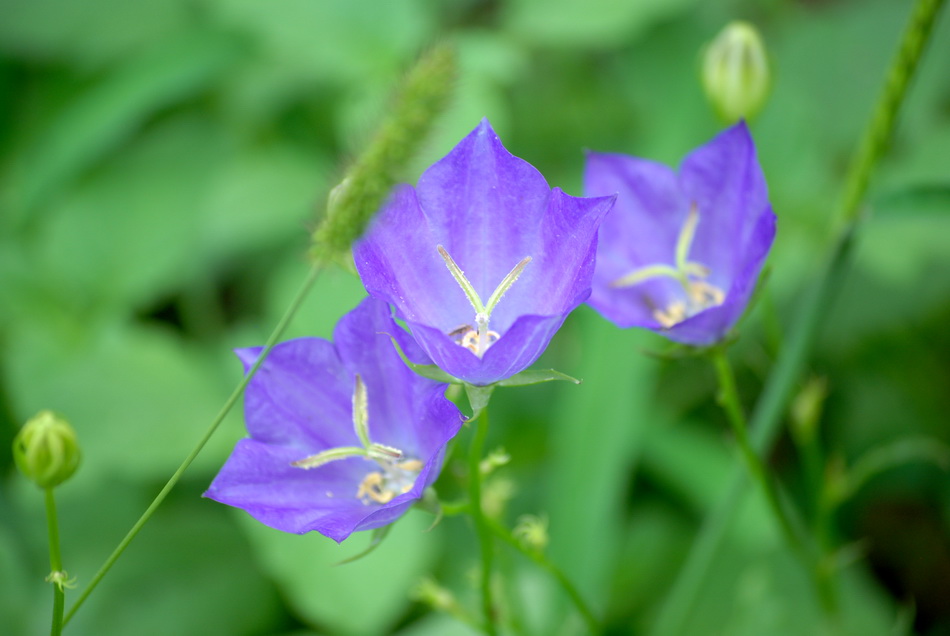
{"points": [[483, 260], [343, 436], [681, 252]]}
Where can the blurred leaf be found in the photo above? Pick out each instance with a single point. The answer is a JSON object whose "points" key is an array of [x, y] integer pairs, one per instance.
{"points": [[261, 194], [593, 23], [301, 44], [920, 200], [134, 232], [89, 33], [886, 457], [138, 399], [100, 118], [181, 576], [595, 434], [365, 597], [537, 376]]}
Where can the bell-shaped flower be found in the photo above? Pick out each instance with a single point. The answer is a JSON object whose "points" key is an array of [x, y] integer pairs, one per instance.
{"points": [[482, 259], [681, 251], [343, 435]]}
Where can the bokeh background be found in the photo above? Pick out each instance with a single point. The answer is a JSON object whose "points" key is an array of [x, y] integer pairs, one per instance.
{"points": [[163, 162]]}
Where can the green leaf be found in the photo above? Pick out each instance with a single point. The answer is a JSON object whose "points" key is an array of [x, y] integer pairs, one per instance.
{"points": [[104, 116], [536, 376], [364, 597], [886, 457]]}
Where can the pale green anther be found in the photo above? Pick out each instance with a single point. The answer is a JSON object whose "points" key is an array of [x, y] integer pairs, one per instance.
{"points": [[381, 451], [506, 284], [361, 412], [463, 282], [330, 455]]}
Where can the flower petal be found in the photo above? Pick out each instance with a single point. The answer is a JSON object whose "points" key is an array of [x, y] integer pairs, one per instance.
{"points": [[724, 179]]}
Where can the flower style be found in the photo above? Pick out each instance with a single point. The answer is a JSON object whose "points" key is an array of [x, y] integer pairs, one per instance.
{"points": [[483, 260], [343, 436], [681, 253]]}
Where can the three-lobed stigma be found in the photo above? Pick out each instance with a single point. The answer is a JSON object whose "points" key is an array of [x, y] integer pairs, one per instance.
{"points": [[479, 338], [396, 473], [698, 293]]}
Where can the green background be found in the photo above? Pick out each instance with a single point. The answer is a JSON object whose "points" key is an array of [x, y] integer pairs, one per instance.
{"points": [[162, 164]]}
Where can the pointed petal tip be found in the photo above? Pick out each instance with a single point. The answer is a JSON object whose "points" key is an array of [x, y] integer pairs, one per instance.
{"points": [[248, 356]]}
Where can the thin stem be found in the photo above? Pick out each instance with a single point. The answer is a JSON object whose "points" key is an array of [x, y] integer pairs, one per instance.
{"points": [[55, 564], [481, 522], [879, 130], [729, 399], [228, 405], [773, 402], [593, 625]]}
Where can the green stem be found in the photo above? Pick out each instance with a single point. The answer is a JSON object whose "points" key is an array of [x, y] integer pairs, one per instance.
{"points": [[481, 522], [55, 564], [879, 130], [228, 405], [813, 309], [729, 399], [593, 625]]}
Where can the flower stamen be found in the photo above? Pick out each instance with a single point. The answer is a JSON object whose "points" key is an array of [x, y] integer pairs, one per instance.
{"points": [[700, 294], [397, 473]]}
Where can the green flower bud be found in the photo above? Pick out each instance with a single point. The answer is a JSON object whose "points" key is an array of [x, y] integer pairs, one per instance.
{"points": [[46, 450], [422, 96], [735, 72]]}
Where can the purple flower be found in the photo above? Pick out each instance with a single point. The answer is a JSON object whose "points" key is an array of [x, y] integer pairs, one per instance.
{"points": [[681, 252], [483, 260], [343, 436]]}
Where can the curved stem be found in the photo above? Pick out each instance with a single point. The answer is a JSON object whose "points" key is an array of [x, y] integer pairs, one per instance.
{"points": [[481, 522], [55, 564], [228, 405], [729, 399], [593, 625], [879, 130]]}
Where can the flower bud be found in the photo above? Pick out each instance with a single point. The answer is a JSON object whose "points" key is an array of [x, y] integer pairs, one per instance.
{"points": [[423, 95], [735, 72], [46, 449]]}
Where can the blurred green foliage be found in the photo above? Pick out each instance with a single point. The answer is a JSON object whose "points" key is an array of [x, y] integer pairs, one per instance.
{"points": [[162, 164]]}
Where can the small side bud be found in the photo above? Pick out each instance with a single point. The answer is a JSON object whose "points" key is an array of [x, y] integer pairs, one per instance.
{"points": [[532, 532], [423, 95], [735, 72], [46, 450], [806, 410], [429, 592]]}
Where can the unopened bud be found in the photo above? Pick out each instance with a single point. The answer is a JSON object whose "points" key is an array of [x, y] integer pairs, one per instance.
{"points": [[434, 595], [806, 409], [736, 73], [532, 532], [46, 450], [423, 95]]}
